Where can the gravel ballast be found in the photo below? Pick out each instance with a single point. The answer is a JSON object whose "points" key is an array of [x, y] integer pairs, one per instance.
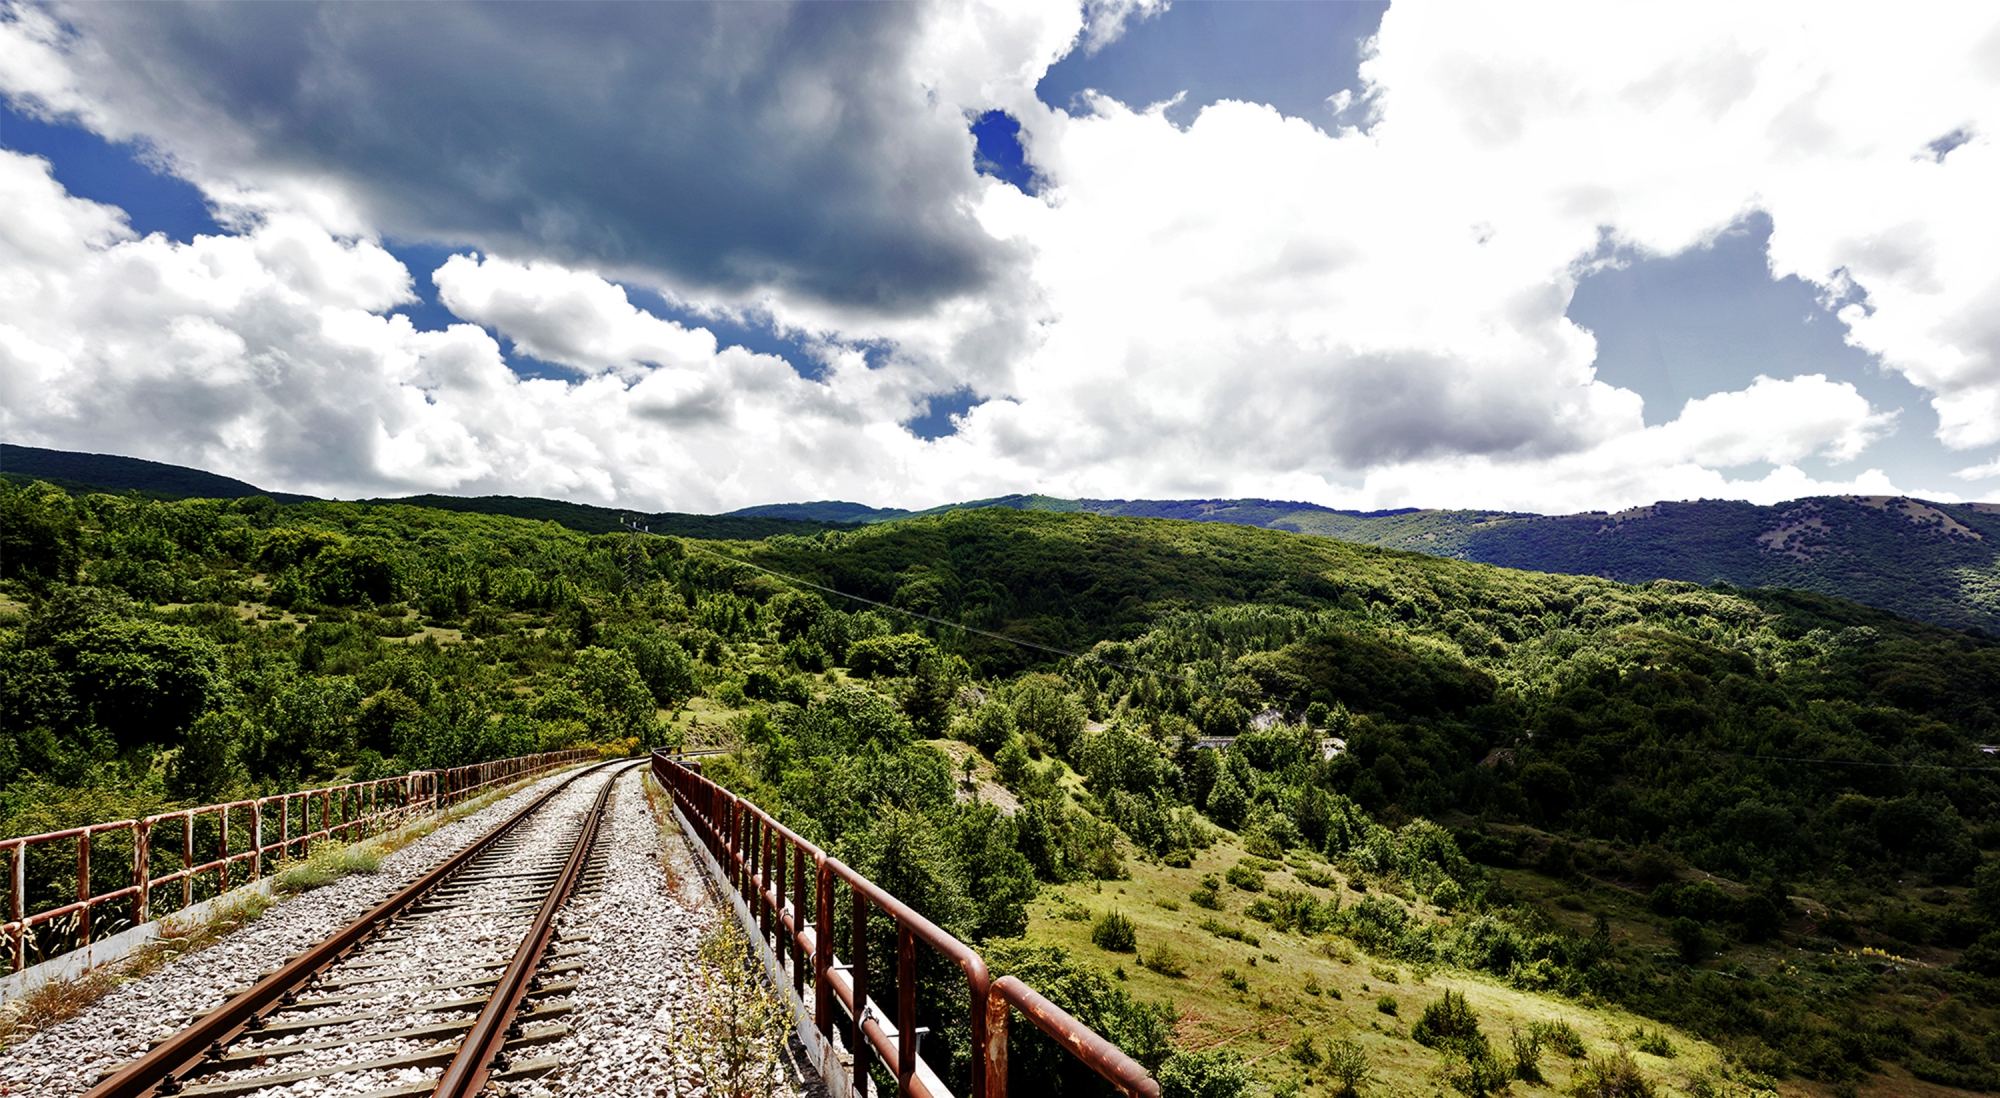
{"points": [[633, 941], [638, 991], [64, 1060]]}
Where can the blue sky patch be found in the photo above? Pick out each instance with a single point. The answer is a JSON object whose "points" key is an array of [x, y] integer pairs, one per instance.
{"points": [[90, 167], [1709, 320], [997, 151], [935, 422], [1292, 56]]}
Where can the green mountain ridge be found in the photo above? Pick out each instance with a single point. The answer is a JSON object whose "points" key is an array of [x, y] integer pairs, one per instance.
{"points": [[84, 473], [1936, 562]]}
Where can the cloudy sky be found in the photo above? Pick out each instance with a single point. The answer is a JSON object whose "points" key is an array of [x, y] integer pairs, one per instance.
{"points": [[1535, 256]]}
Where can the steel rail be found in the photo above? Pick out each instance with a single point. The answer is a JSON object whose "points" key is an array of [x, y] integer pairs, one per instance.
{"points": [[158, 1071], [483, 1048]]}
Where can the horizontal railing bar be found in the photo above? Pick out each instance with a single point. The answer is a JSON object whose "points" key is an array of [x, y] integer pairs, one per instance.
{"points": [[753, 850], [346, 810]]}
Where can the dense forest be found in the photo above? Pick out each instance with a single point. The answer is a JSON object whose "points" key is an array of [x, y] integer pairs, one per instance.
{"points": [[1764, 817], [1935, 562]]}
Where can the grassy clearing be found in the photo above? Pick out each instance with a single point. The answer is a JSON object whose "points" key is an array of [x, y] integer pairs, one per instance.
{"points": [[1284, 1001]]}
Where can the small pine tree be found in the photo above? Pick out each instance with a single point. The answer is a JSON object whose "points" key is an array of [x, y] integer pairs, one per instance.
{"points": [[1446, 1021], [1114, 932]]}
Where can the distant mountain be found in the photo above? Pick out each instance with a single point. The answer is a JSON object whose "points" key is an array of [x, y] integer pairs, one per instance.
{"points": [[828, 510], [108, 472], [1936, 562], [77, 472], [605, 520]]}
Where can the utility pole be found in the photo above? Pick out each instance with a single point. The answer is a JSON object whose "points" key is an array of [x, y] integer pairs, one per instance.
{"points": [[635, 555]]}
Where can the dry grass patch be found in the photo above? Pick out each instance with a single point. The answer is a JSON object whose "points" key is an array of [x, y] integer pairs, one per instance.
{"points": [[1271, 1000]]}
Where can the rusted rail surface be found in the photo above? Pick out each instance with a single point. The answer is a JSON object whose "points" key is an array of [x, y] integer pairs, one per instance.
{"points": [[215, 842], [781, 876], [162, 1071], [483, 1050]]}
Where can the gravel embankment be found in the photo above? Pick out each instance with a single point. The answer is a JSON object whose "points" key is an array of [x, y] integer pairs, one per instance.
{"points": [[637, 993], [62, 1061]]}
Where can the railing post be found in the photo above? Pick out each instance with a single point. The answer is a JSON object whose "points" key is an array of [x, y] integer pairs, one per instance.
{"points": [[798, 921], [222, 852], [906, 1006], [994, 1075], [187, 857], [768, 886], [17, 903], [822, 962], [83, 886], [858, 978], [142, 872], [257, 840]]}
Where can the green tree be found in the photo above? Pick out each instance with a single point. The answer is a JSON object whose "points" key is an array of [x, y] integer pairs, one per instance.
{"points": [[38, 534], [933, 688], [988, 727], [141, 681], [1045, 712], [205, 766], [1227, 802], [1143, 1030], [618, 703]]}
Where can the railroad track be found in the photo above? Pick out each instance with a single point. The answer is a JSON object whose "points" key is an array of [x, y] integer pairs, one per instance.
{"points": [[464, 970]]}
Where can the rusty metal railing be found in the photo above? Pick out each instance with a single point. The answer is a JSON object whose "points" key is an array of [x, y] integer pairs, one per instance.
{"points": [[769, 866], [216, 840]]}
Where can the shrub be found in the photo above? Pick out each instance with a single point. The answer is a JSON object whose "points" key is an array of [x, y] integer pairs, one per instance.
{"points": [[1560, 1036], [1447, 1021], [1614, 1076], [1165, 960], [1654, 1043], [1314, 877], [1217, 1073], [1114, 932], [1527, 1047], [1303, 1050], [1473, 1070], [1209, 894], [1246, 878], [1235, 980], [1447, 895], [1237, 934], [1346, 1068], [1386, 1004], [1261, 844]]}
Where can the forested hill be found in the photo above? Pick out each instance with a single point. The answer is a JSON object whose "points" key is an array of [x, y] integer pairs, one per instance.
{"points": [[83, 473], [109, 472], [1936, 562], [1703, 804]]}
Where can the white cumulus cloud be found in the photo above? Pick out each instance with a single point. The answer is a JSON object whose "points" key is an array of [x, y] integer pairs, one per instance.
{"points": [[1248, 305]]}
